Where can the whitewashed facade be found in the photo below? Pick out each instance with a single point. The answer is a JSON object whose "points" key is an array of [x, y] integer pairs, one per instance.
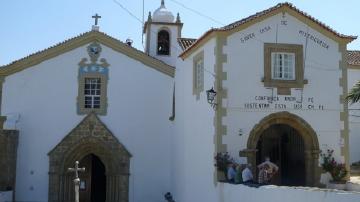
{"points": [[234, 61], [139, 105], [157, 108]]}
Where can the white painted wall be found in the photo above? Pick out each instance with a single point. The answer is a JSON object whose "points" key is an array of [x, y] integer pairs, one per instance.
{"points": [[194, 144], [174, 47], [245, 70], [194, 129], [235, 193], [354, 118], [6, 196], [139, 105]]}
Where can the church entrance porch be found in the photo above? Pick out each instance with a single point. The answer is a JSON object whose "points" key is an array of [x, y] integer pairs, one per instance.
{"points": [[106, 160], [285, 147], [291, 142]]}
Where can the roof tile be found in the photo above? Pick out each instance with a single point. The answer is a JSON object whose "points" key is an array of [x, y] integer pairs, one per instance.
{"points": [[185, 42]]}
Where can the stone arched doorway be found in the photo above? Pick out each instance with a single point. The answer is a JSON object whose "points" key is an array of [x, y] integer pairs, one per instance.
{"points": [[90, 137], [308, 135]]}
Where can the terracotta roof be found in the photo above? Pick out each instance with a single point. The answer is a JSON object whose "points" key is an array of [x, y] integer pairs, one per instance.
{"points": [[353, 57], [75, 42], [185, 42], [264, 13]]}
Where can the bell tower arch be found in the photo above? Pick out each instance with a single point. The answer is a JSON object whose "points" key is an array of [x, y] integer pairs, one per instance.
{"points": [[162, 31]]}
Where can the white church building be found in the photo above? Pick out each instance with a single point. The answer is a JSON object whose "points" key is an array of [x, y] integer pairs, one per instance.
{"points": [[141, 123]]}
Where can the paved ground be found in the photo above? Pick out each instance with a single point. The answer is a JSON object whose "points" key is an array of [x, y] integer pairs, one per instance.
{"points": [[355, 179]]}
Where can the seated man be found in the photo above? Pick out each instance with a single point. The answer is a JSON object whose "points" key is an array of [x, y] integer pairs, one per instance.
{"points": [[247, 175], [231, 173]]}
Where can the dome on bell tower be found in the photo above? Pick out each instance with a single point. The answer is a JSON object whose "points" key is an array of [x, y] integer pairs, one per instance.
{"points": [[162, 14]]}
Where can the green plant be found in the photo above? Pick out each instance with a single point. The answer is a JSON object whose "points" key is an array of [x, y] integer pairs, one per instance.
{"points": [[222, 160], [337, 170]]}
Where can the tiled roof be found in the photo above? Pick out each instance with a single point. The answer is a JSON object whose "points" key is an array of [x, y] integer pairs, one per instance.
{"points": [[353, 57], [185, 42], [263, 13]]}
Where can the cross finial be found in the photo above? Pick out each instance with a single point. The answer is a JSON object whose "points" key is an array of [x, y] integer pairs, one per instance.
{"points": [[96, 16], [76, 169]]}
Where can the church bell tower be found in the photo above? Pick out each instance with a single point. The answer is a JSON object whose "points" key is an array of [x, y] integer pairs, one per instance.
{"points": [[162, 31]]}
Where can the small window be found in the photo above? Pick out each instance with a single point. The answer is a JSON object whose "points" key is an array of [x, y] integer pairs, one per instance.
{"points": [[163, 43], [283, 66], [198, 74], [93, 79], [92, 93]]}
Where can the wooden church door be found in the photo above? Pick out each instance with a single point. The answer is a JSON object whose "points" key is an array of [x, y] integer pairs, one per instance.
{"points": [[85, 179], [93, 180]]}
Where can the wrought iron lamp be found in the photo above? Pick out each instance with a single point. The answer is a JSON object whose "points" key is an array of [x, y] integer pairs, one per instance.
{"points": [[211, 94]]}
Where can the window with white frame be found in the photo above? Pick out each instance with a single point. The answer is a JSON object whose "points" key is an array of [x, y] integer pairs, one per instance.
{"points": [[283, 65], [92, 92]]}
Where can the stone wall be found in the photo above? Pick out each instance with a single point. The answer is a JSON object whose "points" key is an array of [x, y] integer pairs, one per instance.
{"points": [[235, 193], [8, 154]]}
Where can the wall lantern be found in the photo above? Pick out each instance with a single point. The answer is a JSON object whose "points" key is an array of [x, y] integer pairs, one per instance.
{"points": [[211, 94]]}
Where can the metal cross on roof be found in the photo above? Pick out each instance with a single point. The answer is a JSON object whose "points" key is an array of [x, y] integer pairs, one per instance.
{"points": [[96, 16]]}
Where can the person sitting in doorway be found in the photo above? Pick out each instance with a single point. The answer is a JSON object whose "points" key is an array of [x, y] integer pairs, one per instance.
{"points": [[231, 172], [247, 175]]}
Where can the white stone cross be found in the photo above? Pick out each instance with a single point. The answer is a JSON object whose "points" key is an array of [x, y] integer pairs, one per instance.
{"points": [[76, 169]]}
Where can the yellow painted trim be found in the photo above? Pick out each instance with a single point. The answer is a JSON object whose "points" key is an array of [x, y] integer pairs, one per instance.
{"points": [[344, 115], [221, 112], [84, 39]]}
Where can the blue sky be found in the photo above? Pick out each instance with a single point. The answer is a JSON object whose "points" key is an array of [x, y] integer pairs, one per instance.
{"points": [[28, 26]]}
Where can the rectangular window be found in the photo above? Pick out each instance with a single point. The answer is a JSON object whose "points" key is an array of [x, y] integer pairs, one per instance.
{"points": [[92, 93], [283, 66], [199, 74]]}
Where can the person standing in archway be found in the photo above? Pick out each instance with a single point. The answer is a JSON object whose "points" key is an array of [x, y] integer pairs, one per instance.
{"points": [[267, 170]]}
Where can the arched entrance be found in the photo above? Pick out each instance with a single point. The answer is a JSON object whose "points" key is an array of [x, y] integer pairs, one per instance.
{"points": [[107, 160], [285, 147], [92, 181], [286, 123]]}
